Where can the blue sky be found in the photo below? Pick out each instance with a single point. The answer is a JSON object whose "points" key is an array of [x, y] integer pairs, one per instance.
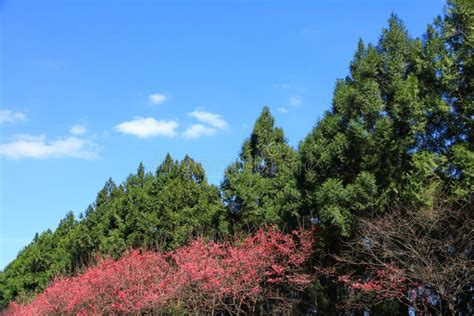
{"points": [[88, 89]]}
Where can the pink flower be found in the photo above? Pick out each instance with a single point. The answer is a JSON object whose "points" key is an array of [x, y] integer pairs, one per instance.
{"points": [[195, 276]]}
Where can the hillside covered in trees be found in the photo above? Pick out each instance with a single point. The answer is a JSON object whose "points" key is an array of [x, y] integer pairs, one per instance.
{"points": [[384, 182]]}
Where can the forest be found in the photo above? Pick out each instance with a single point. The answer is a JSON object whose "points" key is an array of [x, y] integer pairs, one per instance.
{"points": [[373, 212]]}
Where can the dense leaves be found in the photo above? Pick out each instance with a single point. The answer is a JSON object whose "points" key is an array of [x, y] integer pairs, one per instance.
{"points": [[260, 187], [400, 126]]}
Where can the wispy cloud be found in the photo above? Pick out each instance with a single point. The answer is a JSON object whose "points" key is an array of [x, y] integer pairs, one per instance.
{"points": [[157, 98], [78, 129], [145, 127], [198, 130], [282, 109], [210, 123], [38, 147], [281, 85], [215, 120], [295, 100], [8, 116]]}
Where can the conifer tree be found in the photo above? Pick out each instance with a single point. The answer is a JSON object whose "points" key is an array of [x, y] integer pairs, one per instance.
{"points": [[135, 209], [458, 79], [184, 204], [260, 187], [359, 155], [399, 128]]}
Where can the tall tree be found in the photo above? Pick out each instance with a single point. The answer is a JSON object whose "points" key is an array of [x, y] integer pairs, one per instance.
{"points": [[260, 187], [458, 78], [458, 31], [185, 204], [136, 210], [400, 126], [364, 152]]}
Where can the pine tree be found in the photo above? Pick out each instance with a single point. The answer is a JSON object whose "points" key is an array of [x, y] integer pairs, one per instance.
{"points": [[260, 187], [360, 156], [136, 208], [458, 32], [184, 204], [400, 127]]}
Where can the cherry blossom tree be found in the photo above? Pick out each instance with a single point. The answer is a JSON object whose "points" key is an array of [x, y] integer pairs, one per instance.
{"points": [[203, 277]]}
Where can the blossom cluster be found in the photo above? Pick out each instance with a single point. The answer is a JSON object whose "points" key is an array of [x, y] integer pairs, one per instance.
{"points": [[201, 277], [387, 283]]}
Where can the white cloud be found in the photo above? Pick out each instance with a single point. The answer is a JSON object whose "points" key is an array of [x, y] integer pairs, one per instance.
{"points": [[282, 109], [8, 116], [157, 98], [281, 85], [295, 100], [78, 130], [198, 130], [148, 127], [215, 120], [27, 137], [31, 146]]}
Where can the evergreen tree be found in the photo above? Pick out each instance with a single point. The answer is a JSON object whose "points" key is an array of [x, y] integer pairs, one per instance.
{"points": [[458, 31], [135, 209], [458, 81], [358, 157], [260, 187], [46, 257], [400, 126], [184, 204]]}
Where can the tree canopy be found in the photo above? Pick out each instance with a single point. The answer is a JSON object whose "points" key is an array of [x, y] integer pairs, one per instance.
{"points": [[260, 187]]}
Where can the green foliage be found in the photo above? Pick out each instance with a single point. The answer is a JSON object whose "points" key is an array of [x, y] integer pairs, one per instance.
{"points": [[462, 163], [147, 211], [260, 187], [185, 204], [421, 183], [458, 30], [46, 257], [400, 127]]}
